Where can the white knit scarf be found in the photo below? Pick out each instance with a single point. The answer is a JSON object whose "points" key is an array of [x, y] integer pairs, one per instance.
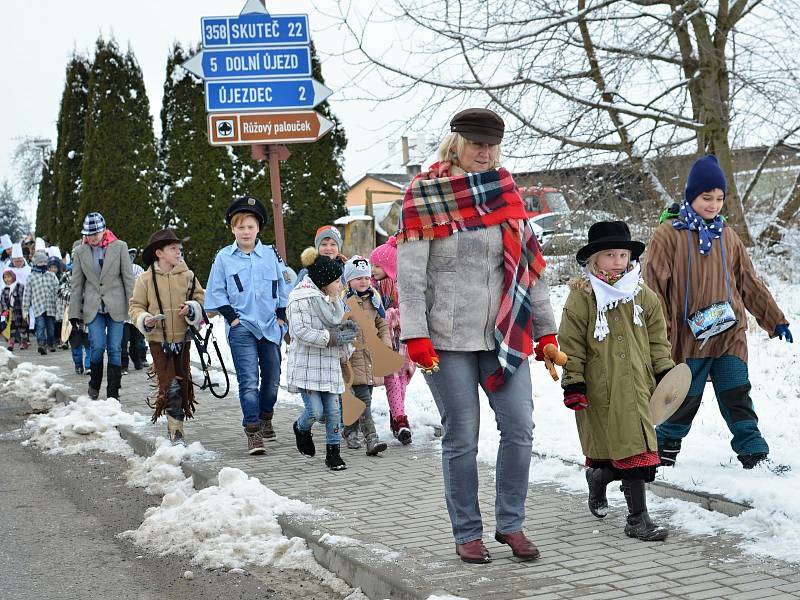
{"points": [[609, 296]]}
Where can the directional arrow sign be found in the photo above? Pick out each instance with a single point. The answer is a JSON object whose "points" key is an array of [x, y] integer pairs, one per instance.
{"points": [[263, 94], [255, 29], [265, 128], [278, 61]]}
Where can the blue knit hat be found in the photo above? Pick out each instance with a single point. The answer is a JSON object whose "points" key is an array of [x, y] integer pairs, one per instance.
{"points": [[704, 176], [93, 223]]}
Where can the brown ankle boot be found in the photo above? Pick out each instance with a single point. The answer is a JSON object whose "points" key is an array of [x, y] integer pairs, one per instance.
{"points": [[255, 441]]}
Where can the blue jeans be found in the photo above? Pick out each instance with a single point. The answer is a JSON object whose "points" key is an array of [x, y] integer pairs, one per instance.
{"points": [[251, 357], [45, 330], [731, 383], [105, 334], [455, 391], [317, 405]]}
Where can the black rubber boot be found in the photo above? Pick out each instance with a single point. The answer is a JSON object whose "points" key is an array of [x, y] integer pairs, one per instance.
{"points": [[668, 452], [598, 479], [95, 380], [332, 459], [114, 381], [639, 524], [304, 441]]}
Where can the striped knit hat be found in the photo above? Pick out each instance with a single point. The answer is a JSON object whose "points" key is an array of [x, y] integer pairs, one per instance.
{"points": [[328, 231]]}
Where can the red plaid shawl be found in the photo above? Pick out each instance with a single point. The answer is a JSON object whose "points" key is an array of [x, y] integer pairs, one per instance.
{"points": [[437, 208]]}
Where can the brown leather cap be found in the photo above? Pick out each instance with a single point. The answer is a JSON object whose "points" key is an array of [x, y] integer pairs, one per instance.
{"points": [[479, 125], [158, 240]]}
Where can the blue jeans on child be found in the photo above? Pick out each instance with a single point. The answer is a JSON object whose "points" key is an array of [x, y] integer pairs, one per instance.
{"points": [[105, 334], [253, 356], [45, 330], [455, 390], [319, 404]]}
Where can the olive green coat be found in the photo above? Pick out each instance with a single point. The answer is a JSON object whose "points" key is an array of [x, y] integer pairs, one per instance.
{"points": [[619, 372]]}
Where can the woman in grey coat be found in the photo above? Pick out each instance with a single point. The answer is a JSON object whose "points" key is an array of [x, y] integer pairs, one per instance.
{"points": [[102, 285], [473, 300]]}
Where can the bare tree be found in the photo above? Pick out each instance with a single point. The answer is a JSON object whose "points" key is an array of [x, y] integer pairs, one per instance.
{"points": [[590, 80]]}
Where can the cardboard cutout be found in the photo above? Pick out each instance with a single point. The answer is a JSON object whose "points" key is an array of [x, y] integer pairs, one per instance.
{"points": [[385, 361], [670, 393]]}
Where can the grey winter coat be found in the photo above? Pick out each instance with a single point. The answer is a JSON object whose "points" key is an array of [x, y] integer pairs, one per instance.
{"points": [[113, 286], [450, 290]]}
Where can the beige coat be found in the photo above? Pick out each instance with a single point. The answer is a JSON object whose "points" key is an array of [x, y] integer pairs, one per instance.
{"points": [[619, 372], [174, 289], [361, 359]]}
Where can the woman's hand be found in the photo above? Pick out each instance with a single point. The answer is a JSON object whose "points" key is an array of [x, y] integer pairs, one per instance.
{"points": [[183, 310]]}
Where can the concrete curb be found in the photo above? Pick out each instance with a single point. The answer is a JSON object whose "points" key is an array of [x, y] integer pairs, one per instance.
{"points": [[662, 489]]}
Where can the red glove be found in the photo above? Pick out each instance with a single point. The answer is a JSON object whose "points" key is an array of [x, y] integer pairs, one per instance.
{"points": [[421, 351], [575, 397], [538, 351]]}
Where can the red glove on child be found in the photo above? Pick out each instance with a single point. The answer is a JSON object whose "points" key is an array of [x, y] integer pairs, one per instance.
{"points": [[421, 351], [538, 351], [575, 397]]}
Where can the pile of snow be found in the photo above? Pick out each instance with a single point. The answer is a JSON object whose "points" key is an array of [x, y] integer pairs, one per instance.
{"points": [[35, 384], [82, 426], [161, 473], [231, 525]]}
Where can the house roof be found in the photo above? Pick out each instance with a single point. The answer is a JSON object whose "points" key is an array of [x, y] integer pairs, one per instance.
{"points": [[398, 180]]}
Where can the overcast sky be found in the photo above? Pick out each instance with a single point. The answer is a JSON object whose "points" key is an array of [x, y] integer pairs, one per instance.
{"points": [[40, 35]]}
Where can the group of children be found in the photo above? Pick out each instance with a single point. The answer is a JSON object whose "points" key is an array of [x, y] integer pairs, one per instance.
{"points": [[625, 326], [30, 299]]}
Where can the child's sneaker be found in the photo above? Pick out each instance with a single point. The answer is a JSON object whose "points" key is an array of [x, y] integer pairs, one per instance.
{"points": [[333, 459], [401, 429], [42, 350], [11, 346], [78, 369], [24, 344], [374, 445]]}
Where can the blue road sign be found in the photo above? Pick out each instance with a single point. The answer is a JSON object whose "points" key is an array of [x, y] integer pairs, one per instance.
{"points": [[273, 62], [264, 94], [255, 29]]}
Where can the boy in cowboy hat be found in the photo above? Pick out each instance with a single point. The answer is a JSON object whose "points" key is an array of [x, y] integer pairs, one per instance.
{"points": [[613, 331], [248, 288], [167, 298]]}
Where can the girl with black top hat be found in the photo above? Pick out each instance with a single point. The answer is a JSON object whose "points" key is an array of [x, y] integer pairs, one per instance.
{"points": [[614, 333]]}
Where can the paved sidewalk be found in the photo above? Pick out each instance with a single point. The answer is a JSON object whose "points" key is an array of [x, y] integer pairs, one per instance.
{"points": [[392, 509]]}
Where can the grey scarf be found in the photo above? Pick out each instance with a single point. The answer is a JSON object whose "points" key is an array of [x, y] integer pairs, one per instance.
{"points": [[330, 313]]}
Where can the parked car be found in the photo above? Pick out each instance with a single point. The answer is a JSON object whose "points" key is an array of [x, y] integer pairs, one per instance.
{"points": [[548, 214], [541, 200]]}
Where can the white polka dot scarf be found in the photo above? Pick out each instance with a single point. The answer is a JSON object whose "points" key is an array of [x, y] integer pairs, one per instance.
{"points": [[708, 232]]}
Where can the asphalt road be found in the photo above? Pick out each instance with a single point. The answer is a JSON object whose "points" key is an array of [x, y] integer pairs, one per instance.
{"points": [[59, 517]]}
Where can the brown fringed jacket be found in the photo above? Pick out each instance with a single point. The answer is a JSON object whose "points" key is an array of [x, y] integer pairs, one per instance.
{"points": [[174, 289]]}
